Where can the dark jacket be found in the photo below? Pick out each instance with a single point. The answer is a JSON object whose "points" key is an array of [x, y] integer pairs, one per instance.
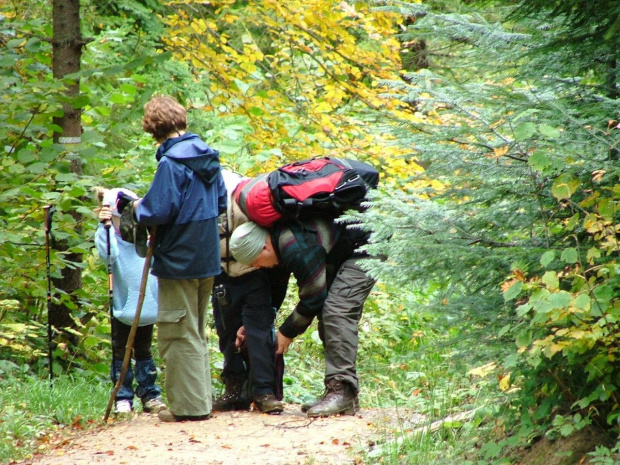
{"points": [[184, 201], [313, 250]]}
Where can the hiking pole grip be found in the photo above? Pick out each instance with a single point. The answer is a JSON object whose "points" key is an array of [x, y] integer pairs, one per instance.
{"points": [[49, 212], [107, 224], [134, 326]]}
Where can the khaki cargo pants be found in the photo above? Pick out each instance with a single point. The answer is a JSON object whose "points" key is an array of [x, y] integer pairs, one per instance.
{"points": [[181, 320]]}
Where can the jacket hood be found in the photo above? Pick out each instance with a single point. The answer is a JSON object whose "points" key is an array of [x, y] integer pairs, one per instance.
{"points": [[192, 152]]}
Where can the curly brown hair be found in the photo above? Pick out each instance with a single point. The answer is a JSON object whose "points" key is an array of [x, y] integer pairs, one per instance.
{"points": [[162, 116]]}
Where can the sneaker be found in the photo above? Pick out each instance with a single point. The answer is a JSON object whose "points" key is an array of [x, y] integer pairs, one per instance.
{"points": [[154, 405], [122, 407], [267, 403]]}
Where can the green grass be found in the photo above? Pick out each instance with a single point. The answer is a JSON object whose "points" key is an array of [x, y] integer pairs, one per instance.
{"points": [[451, 443], [31, 408], [410, 363]]}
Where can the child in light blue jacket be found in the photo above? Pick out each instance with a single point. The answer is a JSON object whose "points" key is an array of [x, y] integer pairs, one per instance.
{"points": [[127, 267]]}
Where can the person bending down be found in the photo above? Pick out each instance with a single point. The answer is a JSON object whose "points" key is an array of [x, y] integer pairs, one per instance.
{"points": [[332, 287], [246, 297]]}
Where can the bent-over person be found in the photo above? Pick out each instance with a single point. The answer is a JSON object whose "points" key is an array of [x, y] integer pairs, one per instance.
{"points": [[246, 297], [332, 287]]}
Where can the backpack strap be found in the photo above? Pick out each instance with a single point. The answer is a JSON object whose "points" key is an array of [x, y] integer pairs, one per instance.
{"points": [[227, 232]]}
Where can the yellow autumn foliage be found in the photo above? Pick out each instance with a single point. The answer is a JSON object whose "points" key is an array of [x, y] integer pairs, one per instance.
{"points": [[300, 71]]}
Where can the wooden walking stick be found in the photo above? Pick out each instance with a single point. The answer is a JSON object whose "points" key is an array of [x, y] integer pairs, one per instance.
{"points": [[134, 326]]}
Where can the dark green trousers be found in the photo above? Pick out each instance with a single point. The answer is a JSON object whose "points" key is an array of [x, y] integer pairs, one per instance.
{"points": [[338, 322]]}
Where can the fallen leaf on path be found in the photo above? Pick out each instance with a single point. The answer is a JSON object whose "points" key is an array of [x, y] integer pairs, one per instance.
{"points": [[77, 422]]}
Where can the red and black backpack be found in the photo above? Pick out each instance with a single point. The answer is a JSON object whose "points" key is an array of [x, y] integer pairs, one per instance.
{"points": [[324, 187]]}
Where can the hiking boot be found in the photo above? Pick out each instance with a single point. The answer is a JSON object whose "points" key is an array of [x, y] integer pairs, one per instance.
{"points": [[235, 397], [122, 408], [308, 405], [339, 398], [167, 416], [154, 405], [267, 403]]}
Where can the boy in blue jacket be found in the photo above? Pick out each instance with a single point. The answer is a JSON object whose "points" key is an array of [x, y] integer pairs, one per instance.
{"points": [[127, 266], [183, 202]]}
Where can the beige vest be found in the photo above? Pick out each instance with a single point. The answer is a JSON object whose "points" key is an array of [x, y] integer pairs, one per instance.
{"points": [[234, 217]]}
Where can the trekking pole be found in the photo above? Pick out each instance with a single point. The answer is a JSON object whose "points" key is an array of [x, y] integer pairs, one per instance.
{"points": [[49, 211], [108, 224], [134, 326]]}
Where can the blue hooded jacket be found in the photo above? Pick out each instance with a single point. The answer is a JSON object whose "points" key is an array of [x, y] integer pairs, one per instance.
{"points": [[184, 201]]}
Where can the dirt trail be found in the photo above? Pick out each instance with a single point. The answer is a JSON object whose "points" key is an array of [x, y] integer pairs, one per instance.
{"points": [[232, 438]]}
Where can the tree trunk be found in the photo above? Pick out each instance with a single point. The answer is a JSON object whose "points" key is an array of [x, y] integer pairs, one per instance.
{"points": [[67, 55]]}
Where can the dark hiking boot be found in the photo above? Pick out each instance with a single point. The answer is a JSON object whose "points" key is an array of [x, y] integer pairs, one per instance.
{"points": [[236, 396], [339, 398], [267, 403], [308, 405]]}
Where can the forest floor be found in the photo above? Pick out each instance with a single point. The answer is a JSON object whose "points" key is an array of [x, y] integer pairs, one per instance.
{"points": [[248, 438]]}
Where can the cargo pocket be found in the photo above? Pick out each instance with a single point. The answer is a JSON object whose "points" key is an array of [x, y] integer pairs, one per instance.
{"points": [[352, 283], [169, 323]]}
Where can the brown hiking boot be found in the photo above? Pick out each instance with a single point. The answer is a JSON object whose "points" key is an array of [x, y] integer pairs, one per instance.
{"points": [[236, 395], [154, 405], [339, 398], [167, 416], [267, 403]]}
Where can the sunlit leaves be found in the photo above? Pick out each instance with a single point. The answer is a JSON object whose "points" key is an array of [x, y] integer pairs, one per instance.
{"points": [[296, 69], [549, 131], [564, 187], [547, 257], [513, 291], [570, 255], [539, 160]]}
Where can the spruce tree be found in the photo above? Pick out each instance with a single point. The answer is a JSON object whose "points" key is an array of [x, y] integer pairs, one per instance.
{"points": [[513, 223]]}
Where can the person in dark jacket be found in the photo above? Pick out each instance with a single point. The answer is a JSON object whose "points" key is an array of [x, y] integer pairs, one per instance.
{"points": [[332, 287], [183, 202], [246, 297]]}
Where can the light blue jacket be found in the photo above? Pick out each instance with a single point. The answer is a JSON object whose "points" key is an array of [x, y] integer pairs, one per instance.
{"points": [[127, 267]]}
